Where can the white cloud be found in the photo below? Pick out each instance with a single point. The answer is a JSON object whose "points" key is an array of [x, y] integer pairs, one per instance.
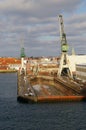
{"points": [[37, 21], [38, 8]]}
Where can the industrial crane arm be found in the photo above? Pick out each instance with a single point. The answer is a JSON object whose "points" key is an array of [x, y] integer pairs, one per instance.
{"points": [[64, 45]]}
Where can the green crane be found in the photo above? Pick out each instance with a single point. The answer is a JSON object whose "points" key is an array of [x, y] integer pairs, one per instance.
{"points": [[64, 67]]}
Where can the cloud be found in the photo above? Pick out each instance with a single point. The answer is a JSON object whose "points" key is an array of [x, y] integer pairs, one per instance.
{"points": [[37, 22], [38, 8]]}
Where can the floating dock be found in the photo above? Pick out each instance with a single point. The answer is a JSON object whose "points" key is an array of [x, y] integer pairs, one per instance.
{"points": [[58, 86], [48, 89]]}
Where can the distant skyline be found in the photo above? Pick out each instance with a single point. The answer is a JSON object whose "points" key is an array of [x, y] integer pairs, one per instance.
{"points": [[35, 23]]}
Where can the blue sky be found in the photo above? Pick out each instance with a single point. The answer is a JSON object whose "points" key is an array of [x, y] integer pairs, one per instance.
{"points": [[36, 22]]}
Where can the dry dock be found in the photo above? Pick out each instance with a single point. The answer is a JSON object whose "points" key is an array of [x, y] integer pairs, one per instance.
{"points": [[48, 89]]}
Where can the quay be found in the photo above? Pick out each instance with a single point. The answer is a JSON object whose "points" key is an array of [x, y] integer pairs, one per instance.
{"points": [[8, 71]]}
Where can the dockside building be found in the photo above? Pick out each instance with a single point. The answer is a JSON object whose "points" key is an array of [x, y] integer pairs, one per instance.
{"points": [[81, 71]]}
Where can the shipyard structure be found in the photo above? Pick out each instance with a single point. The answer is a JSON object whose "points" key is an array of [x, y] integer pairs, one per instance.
{"points": [[53, 79]]}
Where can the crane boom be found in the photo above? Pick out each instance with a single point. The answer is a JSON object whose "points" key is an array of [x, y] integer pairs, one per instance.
{"points": [[61, 25], [64, 45]]}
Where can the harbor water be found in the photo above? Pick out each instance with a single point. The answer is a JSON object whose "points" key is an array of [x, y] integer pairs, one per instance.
{"points": [[43, 116]]}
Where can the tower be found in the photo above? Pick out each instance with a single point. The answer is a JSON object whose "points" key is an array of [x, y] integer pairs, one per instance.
{"points": [[64, 67]]}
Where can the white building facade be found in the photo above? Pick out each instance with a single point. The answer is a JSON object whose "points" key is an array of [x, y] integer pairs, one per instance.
{"points": [[14, 66], [81, 71], [76, 59]]}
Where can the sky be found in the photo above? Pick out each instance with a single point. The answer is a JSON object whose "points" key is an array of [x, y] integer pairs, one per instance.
{"points": [[34, 25]]}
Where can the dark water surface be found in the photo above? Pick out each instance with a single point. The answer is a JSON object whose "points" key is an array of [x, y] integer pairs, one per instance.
{"points": [[48, 116]]}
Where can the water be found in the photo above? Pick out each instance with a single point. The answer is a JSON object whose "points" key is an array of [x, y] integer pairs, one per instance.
{"points": [[48, 116]]}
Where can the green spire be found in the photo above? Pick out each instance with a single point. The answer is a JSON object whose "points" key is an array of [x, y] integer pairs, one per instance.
{"points": [[22, 52]]}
